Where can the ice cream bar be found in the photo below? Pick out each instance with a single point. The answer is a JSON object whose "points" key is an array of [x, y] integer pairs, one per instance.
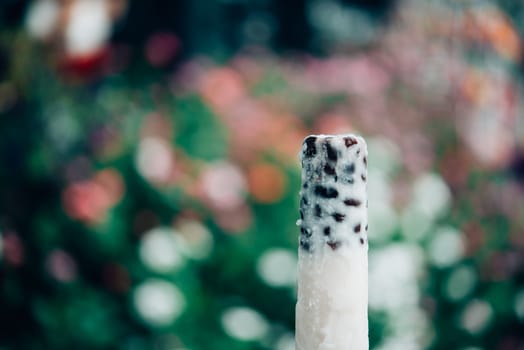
{"points": [[331, 310]]}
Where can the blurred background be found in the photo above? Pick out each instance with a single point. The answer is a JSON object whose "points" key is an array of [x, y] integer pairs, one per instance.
{"points": [[149, 174]]}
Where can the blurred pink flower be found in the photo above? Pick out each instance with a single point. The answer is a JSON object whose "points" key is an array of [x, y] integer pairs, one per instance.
{"points": [[161, 49], [157, 125], [61, 266], [222, 88], [360, 75], [333, 123], [86, 201], [249, 122], [155, 160], [367, 78], [324, 75], [418, 152], [236, 220], [267, 182], [13, 249], [89, 200], [490, 138], [189, 75], [252, 70], [223, 186], [490, 104], [284, 135], [113, 184]]}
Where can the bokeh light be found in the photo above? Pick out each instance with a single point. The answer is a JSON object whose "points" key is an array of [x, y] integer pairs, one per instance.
{"points": [[158, 302], [519, 304], [244, 323], [160, 250], [445, 247], [277, 267], [460, 282], [88, 27], [476, 316], [155, 159], [196, 241], [41, 18]]}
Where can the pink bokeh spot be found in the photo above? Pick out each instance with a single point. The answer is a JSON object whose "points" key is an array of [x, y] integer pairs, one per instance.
{"points": [[61, 266], [86, 201], [222, 88], [223, 186], [333, 123], [161, 49], [234, 221], [14, 252]]}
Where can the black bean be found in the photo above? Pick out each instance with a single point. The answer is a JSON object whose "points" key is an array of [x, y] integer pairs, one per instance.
{"points": [[339, 217], [331, 152], [306, 232], [327, 231], [361, 240], [351, 202], [326, 192], [363, 177], [304, 200], [318, 211], [349, 141], [366, 227], [304, 244], [357, 228], [348, 179], [333, 245], [311, 148], [350, 168], [328, 169]]}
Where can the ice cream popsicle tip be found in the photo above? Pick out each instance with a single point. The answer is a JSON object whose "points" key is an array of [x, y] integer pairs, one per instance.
{"points": [[331, 310]]}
